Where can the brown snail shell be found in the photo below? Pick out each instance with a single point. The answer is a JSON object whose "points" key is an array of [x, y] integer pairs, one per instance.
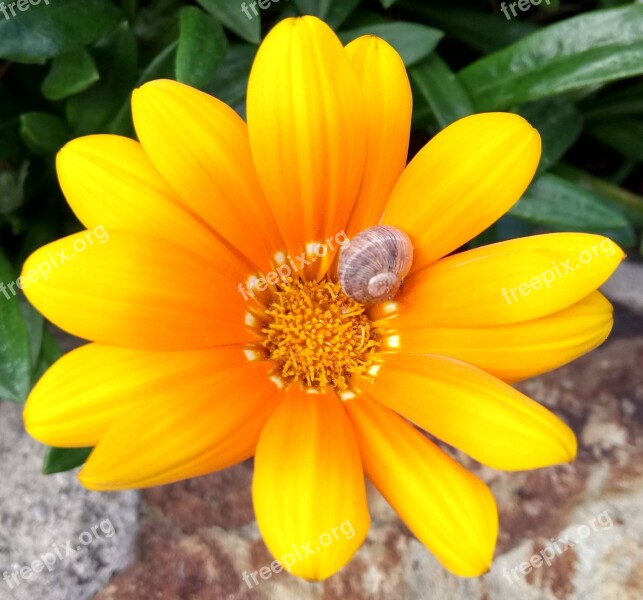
{"points": [[374, 263]]}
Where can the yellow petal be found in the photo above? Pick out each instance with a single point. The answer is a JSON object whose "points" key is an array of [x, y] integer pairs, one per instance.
{"points": [[307, 131], [515, 351], [388, 106], [508, 282], [308, 488], [462, 181], [89, 389], [136, 291], [448, 509], [201, 148], [473, 411], [209, 424], [110, 182]]}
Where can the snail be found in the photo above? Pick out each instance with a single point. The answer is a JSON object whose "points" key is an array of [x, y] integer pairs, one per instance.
{"points": [[374, 263]]}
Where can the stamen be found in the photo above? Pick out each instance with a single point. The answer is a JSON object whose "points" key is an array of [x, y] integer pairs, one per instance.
{"points": [[318, 335]]}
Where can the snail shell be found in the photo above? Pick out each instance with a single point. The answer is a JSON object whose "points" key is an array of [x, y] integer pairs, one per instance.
{"points": [[374, 263]]}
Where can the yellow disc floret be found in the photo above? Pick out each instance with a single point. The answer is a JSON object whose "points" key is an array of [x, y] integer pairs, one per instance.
{"points": [[317, 334]]}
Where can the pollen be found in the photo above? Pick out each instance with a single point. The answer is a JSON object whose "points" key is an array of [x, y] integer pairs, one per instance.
{"points": [[318, 335]]}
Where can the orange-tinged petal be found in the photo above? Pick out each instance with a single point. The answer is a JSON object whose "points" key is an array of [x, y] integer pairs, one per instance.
{"points": [[212, 424], [388, 105], [450, 510], [515, 351], [473, 411], [110, 182], [462, 181], [307, 131], [200, 146], [308, 488], [89, 389], [508, 282], [136, 291]]}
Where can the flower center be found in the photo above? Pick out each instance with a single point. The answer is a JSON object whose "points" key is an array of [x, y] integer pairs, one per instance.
{"points": [[317, 334]]}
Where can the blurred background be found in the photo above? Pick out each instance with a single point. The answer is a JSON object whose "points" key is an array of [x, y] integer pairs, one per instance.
{"points": [[573, 69]]}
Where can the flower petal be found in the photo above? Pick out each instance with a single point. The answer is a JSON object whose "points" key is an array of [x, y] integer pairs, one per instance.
{"points": [[388, 106], [137, 292], [307, 131], [450, 510], [515, 351], [473, 411], [200, 146], [213, 423], [110, 182], [85, 392], [508, 282], [462, 181], [308, 488]]}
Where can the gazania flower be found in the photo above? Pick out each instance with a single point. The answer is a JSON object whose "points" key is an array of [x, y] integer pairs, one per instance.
{"points": [[186, 375]]}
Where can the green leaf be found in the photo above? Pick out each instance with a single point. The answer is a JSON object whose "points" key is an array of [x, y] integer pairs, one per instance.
{"points": [[231, 80], [11, 147], [480, 30], [414, 42], [157, 23], [423, 117], [45, 134], [71, 73], [49, 354], [340, 10], [623, 103], [440, 87], [591, 48], [202, 46], [319, 8], [559, 124], [362, 18], [15, 350], [35, 324], [12, 189], [53, 27], [245, 24], [58, 460], [612, 3], [116, 57], [129, 8], [560, 205], [626, 202], [387, 3], [161, 67], [623, 135]]}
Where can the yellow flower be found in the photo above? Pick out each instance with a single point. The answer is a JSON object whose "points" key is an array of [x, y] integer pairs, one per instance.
{"points": [[185, 375]]}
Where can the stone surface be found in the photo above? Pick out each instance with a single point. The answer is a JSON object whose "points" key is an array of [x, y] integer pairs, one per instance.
{"points": [[626, 285], [199, 537], [40, 515]]}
